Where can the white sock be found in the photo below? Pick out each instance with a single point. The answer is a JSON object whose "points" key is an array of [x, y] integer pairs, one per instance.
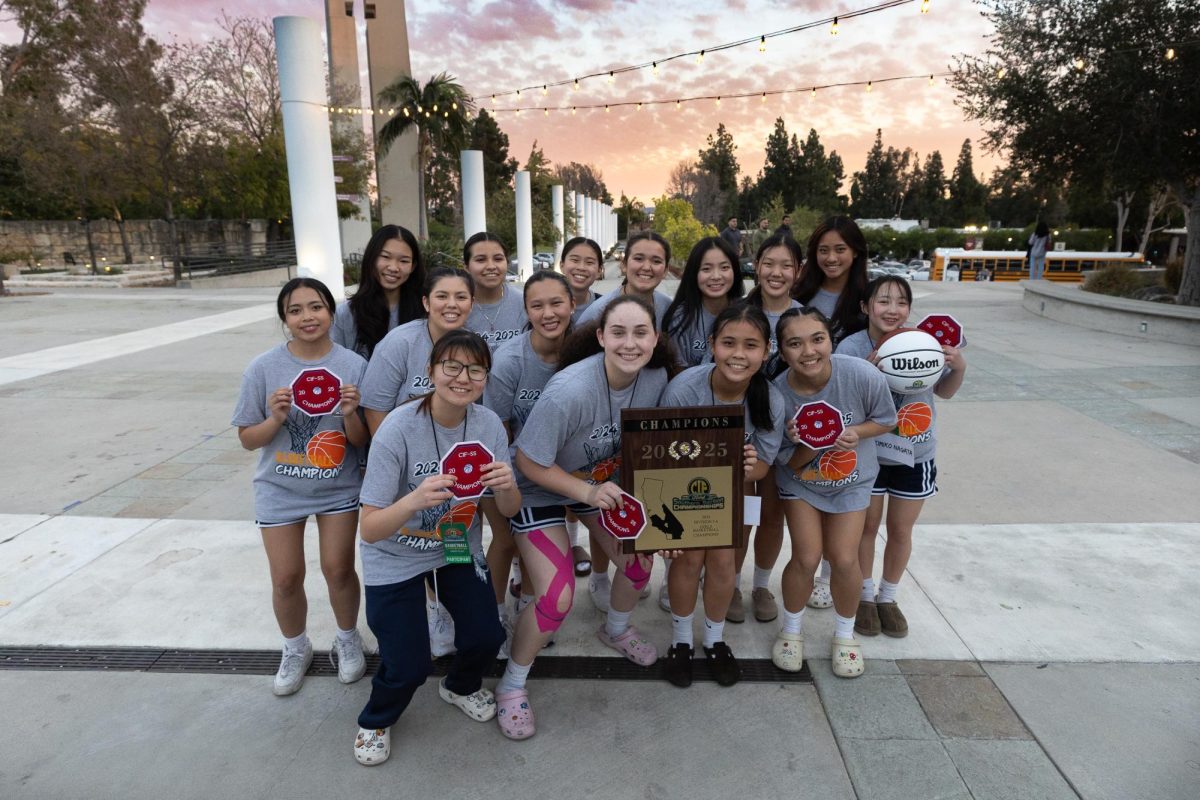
{"points": [[868, 591], [792, 621], [514, 677], [887, 591], [296, 643], [681, 629], [347, 636], [525, 600], [762, 577], [826, 570], [843, 627], [573, 532], [713, 631], [599, 580], [617, 622]]}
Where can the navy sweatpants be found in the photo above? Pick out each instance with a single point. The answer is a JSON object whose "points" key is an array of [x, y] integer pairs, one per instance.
{"points": [[396, 615]]}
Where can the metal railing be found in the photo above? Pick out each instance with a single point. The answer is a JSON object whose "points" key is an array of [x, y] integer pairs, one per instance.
{"points": [[233, 259]]}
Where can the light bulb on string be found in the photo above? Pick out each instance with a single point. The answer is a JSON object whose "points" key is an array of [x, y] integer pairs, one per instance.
{"points": [[545, 90], [1079, 63], [813, 95], [833, 29], [639, 107], [868, 87], [1170, 54], [764, 97], [493, 101], [931, 80], [446, 114], [700, 57], [678, 105], [606, 109], [576, 86], [435, 108], [391, 112], [545, 112], [1000, 73], [518, 94], [654, 69], [419, 109], [573, 110], [611, 78], [924, 6], [762, 44], [454, 106]]}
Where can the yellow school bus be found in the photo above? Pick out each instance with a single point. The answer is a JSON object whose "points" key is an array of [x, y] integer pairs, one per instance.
{"points": [[1062, 266]]}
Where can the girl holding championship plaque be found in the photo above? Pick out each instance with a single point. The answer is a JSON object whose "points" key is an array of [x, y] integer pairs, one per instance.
{"points": [[568, 455], [825, 471], [389, 291], [710, 282], [739, 341], [520, 372], [419, 522], [905, 486], [308, 466]]}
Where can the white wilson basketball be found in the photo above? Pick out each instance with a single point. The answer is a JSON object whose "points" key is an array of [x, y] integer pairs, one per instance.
{"points": [[911, 360]]}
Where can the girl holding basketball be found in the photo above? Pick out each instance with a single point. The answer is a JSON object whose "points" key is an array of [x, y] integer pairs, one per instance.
{"points": [[568, 456], [582, 265], [415, 527], [645, 265], [498, 313], [776, 265], [709, 283], [834, 281], [902, 487], [521, 369], [389, 291], [308, 466], [739, 341], [825, 481]]}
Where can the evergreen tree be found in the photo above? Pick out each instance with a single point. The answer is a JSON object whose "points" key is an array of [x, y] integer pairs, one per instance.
{"points": [[719, 159], [818, 177], [875, 191], [967, 194], [929, 191], [498, 168], [778, 175]]}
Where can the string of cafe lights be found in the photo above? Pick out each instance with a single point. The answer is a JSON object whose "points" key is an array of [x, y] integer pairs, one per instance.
{"points": [[761, 40]]}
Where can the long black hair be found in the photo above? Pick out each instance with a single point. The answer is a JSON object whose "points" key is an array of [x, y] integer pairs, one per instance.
{"points": [[469, 343], [685, 308], [584, 241], [770, 243], [758, 393], [847, 314], [437, 274], [368, 306], [582, 343], [482, 236], [547, 275]]}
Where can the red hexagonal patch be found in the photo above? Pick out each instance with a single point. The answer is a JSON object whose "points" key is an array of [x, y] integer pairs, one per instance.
{"points": [[465, 462], [819, 424], [316, 392], [943, 327], [626, 522]]}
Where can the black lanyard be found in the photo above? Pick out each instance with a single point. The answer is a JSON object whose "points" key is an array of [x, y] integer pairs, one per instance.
{"points": [[433, 429], [612, 420]]}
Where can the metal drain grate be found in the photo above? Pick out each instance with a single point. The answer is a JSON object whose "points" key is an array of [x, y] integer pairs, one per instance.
{"points": [[265, 662]]}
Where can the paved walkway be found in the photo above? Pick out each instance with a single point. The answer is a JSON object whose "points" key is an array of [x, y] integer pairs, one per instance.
{"points": [[1052, 594]]}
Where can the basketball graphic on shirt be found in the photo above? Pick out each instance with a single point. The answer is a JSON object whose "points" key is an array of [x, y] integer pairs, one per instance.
{"points": [[837, 464], [462, 513], [914, 419], [326, 449], [606, 469]]}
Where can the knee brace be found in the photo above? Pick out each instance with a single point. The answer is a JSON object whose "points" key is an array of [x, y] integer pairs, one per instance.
{"points": [[638, 573], [545, 607]]}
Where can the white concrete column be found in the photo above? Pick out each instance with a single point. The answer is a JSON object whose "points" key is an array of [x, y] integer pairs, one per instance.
{"points": [[474, 205], [556, 207], [577, 210], [524, 226], [309, 152]]}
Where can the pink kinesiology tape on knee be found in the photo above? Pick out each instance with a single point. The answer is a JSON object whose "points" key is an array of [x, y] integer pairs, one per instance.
{"points": [[545, 608], [637, 573]]}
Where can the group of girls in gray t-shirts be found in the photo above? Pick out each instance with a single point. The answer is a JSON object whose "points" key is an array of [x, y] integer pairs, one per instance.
{"points": [[357, 414]]}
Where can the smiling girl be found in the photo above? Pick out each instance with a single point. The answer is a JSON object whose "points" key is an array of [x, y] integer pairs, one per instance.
{"points": [[408, 511], [308, 466], [709, 283], [645, 265], [834, 277], [826, 491], [498, 313], [582, 265], [389, 291]]}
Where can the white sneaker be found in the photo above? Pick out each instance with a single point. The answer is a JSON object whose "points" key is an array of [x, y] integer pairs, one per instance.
{"points": [[292, 667], [820, 597], [600, 592], [664, 598], [441, 631], [347, 656]]}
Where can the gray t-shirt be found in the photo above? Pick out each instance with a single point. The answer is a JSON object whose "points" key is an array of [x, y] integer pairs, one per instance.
{"points": [[596, 308], [399, 369], [691, 343], [773, 318], [499, 322], [403, 452], [693, 387], [309, 467], [516, 381], [830, 482], [581, 307], [345, 332], [576, 424], [920, 421], [825, 302]]}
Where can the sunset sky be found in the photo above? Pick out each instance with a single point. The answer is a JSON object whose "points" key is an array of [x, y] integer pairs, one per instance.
{"points": [[498, 45]]}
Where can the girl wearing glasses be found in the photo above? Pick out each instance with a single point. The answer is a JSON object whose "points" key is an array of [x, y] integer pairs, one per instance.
{"points": [[413, 527], [568, 456]]}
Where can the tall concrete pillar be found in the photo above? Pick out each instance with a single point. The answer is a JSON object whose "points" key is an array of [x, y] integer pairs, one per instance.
{"points": [[556, 208], [577, 211], [387, 60], [343, 67], [474, 202], [524, 226], [309, 150]]}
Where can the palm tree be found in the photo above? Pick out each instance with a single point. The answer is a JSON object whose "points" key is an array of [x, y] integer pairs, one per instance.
{"points": [[440, 110]]}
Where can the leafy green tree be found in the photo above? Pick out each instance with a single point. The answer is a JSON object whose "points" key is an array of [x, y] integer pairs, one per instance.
{"points": [[630, 212], [720, 160], [967, 194], [1083, 91], [498, 168], [674, 220], [583, 178], [439, 110]]}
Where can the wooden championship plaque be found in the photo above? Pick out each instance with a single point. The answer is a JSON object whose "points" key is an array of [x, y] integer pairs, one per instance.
{"points": [[685, 465]]}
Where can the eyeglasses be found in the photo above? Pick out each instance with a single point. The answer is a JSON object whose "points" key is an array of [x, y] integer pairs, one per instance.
{"points": [[452, 369]]}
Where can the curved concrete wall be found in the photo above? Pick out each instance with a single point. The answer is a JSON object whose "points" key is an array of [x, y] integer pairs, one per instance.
{"points": [[1141, 318]]}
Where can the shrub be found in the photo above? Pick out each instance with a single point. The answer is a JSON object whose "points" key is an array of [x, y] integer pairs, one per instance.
{"points": [[1115, 282], [352, 268], [1174, 275]]}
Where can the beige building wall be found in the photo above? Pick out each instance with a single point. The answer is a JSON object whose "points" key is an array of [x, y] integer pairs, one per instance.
{"points": [[343, 66], [388, 59]]}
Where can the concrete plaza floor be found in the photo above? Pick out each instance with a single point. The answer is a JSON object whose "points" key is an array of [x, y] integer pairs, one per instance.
{"points": [[1052, 595]]}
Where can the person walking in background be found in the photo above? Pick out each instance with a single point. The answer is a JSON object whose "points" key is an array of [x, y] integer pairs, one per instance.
{"points": [[1039, 243], [785, 226], [759, 235], [733, 236]]}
